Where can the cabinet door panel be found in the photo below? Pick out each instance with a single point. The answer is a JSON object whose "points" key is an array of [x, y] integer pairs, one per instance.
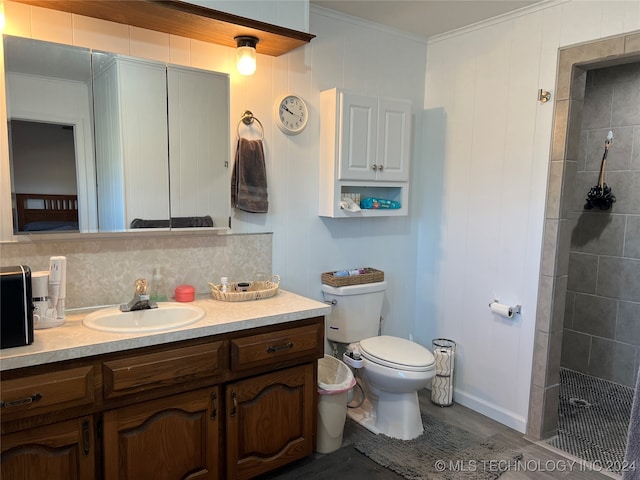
{"points": [[358, 131], [61, 451], [174, 437], [270, 421], [131, 140], [394, 140], [199, 144]]}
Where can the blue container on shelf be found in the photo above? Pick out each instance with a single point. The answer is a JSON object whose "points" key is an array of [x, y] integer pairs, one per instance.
{"points": [[377, 203]]}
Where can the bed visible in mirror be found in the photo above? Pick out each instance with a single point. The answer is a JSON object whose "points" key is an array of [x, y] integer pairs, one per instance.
{"points": [[45, 213]]}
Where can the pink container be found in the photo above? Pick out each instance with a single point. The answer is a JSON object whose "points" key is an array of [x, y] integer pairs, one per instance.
{"points": [[185, 293]]}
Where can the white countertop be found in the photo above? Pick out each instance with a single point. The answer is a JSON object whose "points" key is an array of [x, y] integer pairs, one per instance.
{"points": [[74, 340]]}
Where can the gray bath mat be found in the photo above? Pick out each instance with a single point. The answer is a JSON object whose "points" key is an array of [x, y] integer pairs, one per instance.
{"points": [[442, 452], [593, 418]]}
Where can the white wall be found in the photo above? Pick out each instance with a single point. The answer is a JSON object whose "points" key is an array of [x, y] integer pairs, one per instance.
{"points": [[346, 53], [485, 163]]}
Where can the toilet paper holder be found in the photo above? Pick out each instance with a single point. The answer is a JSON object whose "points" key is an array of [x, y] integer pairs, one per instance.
{"points": [[504, 310]]}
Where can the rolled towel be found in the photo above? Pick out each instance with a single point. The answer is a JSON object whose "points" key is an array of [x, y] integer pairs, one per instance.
{"points": [[191, 222], [142, 223], [174, 222]]}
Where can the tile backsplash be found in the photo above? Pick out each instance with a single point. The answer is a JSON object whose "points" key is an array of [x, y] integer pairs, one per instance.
{"points": [[103, 271]]}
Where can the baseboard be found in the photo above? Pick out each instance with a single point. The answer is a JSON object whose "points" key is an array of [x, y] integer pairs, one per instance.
{"points": [[494, 412]]}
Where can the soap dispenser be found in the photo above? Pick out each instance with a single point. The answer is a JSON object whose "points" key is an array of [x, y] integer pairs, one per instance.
{"points": [[157, 291]]}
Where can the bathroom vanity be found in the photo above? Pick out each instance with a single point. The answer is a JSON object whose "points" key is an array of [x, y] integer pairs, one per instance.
{"points": [[231, 396]]}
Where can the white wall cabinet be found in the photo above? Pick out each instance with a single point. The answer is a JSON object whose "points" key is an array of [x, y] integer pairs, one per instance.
{"points": [[155, 122], [374, 138], [364, 149], [199, 144], [131, 141]]}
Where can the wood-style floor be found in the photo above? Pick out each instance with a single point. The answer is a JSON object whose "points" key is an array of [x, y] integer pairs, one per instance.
{"points": [[539, 462]]}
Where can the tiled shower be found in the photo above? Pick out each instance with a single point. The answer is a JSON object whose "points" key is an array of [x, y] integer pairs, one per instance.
{"points": [[568, 234], [601, 334], [600, 326]]}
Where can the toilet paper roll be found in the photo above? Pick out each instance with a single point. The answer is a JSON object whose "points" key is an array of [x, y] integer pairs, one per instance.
{"points": [[503, 310], [442, 391], [444, 361]]}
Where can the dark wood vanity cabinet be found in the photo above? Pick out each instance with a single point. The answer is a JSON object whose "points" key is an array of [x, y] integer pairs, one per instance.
{"points": [[60, 451], [164, 439], [270, 417], [233, 406], [270, 421]]}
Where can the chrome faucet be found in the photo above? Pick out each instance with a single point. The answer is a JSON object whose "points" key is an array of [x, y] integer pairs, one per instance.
{"points": [[140, 300]]}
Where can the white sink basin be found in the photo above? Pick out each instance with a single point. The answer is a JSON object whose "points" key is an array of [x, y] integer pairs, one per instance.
{"points": [[168, 315]]}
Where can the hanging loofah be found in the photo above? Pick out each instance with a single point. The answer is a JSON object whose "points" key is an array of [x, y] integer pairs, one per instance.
{"points": [[600, 196]]}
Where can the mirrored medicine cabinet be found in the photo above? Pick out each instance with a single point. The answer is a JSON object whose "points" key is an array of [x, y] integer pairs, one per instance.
{"points": [[103, 142]]}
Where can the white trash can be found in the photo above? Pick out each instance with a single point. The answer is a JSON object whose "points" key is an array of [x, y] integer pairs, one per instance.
{"points": [[335, 381]]}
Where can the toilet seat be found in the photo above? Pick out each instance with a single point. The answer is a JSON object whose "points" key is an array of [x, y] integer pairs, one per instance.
{"points": [[398, 353]]}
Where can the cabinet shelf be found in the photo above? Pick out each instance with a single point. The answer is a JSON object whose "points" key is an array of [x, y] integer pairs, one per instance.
{"points": [[185, 20], [397, 193]]}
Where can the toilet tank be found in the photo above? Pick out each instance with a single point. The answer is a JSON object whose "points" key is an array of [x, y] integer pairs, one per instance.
{"points": [[355, 315]]}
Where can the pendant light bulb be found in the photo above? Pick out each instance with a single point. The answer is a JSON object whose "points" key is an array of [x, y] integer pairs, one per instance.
{"points": [[246, 53]]}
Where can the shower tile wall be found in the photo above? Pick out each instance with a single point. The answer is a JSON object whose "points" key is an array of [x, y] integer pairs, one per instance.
{"points": [[602, 315]]}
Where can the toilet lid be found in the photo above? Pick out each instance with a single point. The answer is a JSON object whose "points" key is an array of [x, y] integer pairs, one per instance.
{"points": [[397, 353]]}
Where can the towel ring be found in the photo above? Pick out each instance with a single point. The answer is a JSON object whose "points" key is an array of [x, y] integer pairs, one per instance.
{"points": [[248, 118]]}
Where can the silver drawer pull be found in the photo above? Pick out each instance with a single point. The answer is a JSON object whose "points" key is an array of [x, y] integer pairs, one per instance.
{"points": [[22, 401], [277, 348]]}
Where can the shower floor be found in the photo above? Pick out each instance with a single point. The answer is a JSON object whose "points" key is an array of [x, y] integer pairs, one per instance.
{"points": [[593, 419]]}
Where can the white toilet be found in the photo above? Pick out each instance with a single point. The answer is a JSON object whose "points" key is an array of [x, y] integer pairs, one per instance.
{"points": [[394, 369]]}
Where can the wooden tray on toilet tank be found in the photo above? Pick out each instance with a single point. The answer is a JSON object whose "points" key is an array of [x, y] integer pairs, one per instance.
{"points": [[371, 275]]}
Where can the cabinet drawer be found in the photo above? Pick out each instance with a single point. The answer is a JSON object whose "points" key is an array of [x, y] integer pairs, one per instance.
{"points": [[162, 369], [273, 347], [37, 394]]}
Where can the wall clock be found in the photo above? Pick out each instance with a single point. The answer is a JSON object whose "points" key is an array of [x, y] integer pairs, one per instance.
{"points": [[290, 114]]}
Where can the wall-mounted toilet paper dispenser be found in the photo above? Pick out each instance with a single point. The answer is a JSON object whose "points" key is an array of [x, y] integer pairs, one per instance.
{"points": [[505, 311]]}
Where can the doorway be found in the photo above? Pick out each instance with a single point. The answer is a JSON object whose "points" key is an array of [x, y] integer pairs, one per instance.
{"points": [[43, 170]]}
